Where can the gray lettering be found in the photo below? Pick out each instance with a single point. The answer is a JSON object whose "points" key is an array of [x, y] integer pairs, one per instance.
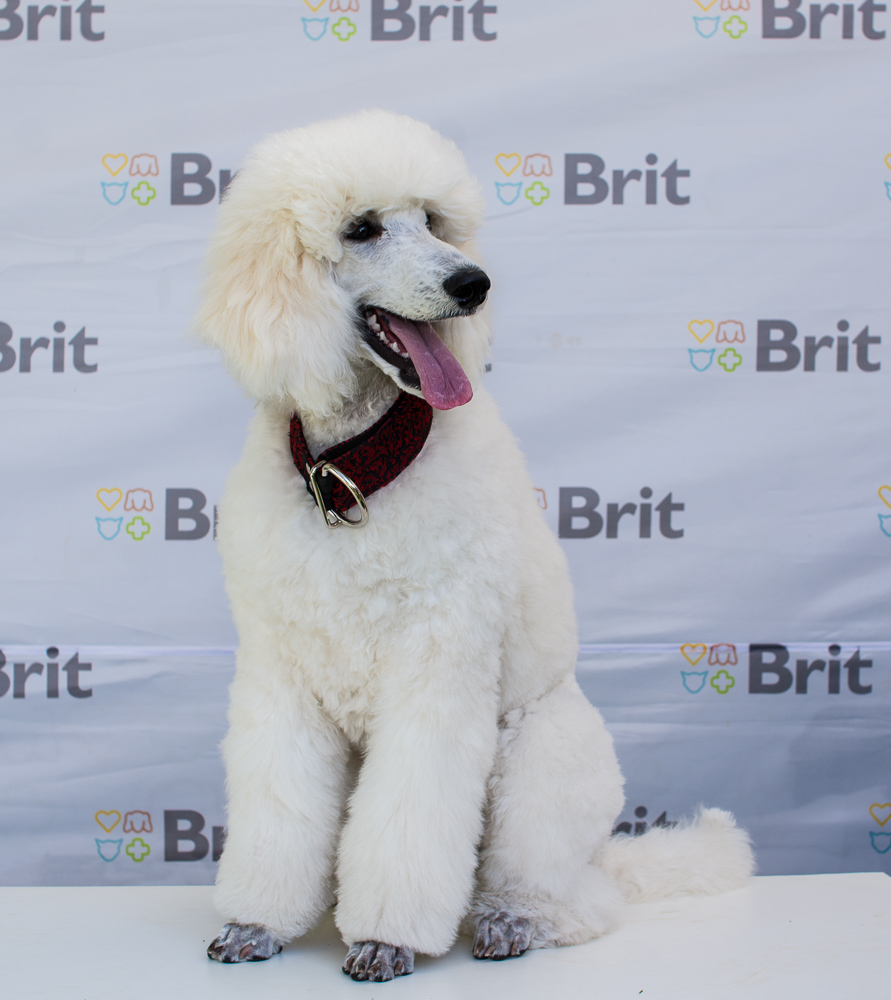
{"points": [[758, 667], [173, 834], [587, 510], [79, 344], [15, 25], [771, 13], [574, 178], [478, 11], [86, 11], [7, 351], [175, 513], [198, 177], [73, 668], [381, 14], [767, 345]]}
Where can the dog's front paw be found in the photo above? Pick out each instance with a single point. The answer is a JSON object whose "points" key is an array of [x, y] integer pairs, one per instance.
{"points": [[378, 963], [243, 943], [501, 935]]}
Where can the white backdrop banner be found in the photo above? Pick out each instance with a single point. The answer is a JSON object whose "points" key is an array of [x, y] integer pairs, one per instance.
{"points": [[689, 209]]}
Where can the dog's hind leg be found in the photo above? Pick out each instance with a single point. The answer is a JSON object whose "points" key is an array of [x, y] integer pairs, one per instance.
{"points": [[287, 779], [554, 793]]}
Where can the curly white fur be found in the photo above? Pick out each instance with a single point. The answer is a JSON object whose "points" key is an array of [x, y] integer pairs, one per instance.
{"points": [[406, 733]]}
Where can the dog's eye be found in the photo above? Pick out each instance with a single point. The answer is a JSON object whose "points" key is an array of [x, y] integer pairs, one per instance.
{"points": [[362, 231], [429, 222]]}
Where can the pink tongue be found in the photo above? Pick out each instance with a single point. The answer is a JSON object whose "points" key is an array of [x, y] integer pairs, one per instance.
{"points": [[443, 381]]}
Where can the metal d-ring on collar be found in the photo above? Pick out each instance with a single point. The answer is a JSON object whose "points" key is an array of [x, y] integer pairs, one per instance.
{"points": [[332, 518]]}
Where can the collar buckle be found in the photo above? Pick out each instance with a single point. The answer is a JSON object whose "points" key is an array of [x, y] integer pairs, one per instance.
{"points": [[332, 518]]}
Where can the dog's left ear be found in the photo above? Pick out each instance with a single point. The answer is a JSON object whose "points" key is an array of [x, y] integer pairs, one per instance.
{"points": [[282, 326]]}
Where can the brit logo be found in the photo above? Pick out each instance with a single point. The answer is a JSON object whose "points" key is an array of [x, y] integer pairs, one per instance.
{"points": [[528, 178], [38, 23], [720, 345], [135, 178], [399, 21], [784, 19]]}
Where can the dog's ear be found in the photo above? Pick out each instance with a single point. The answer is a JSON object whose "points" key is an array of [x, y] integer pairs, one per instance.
{"points": [[280, 322]]}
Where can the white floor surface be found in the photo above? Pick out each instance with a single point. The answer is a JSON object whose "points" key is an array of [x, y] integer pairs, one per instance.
{"points": [[810, 937]]}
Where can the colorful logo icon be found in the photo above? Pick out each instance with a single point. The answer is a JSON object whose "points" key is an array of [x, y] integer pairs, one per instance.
{"points": [[114, 193], [730, 332], [107, 820], [730, 359], [694, 680], [109, 498], [706, 26], [138, 499], [537, 193], [508, 193], [109, 527], [701, 329], [138, 528], [736, 27], [701, 360], [507, 163], [881, 842], [314, 27], [537, 165], [144, 165], [343, 29], [137, 850], [143, 193], [108, 849], [722, 654], [880, 812], [137, 821], [114, 163], [722, 682], [693, 652]]}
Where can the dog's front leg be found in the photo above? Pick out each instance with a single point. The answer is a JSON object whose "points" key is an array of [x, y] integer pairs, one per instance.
{"points": [[408, 850], [286, 771]]}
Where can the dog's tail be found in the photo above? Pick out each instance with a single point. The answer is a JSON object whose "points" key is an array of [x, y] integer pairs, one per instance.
{"points": [[709, 855]]}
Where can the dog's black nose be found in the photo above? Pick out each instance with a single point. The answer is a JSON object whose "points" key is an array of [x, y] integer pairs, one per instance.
{"points": [[468, 287]]}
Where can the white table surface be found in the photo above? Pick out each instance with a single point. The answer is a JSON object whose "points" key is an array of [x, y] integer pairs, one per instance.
{"points": [[789, 937]]}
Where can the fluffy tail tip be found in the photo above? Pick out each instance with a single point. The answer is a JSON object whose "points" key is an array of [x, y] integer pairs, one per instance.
{"points": [[703, 857]]}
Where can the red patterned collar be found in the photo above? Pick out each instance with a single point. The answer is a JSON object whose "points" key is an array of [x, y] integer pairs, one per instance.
{"points": [[367, 462]]}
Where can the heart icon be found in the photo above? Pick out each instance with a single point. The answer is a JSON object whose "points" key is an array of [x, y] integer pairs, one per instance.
{"points": [[108, 820], [314, 6], [888, 161], [693, 652], [706, 6], [701, 328], [885, 495], [109, 498], [508, 162], [880, 812], [114, 163]]}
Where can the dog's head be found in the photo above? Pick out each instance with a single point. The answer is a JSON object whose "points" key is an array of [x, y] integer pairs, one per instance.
{"points": [[347, 244]]}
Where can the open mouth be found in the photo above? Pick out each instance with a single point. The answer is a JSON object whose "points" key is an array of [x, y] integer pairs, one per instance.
{"points": [[422, 361]]}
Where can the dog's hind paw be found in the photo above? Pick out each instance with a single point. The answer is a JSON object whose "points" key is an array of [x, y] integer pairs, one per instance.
{"points": [[243, 943], [501, 935], [378, 963]]}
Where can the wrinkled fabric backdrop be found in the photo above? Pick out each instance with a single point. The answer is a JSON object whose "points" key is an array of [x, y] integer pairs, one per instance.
{"points": [[688, 219]]}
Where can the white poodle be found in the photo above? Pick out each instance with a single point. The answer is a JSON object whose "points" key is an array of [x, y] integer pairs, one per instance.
{"points": [[407, 737]]}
